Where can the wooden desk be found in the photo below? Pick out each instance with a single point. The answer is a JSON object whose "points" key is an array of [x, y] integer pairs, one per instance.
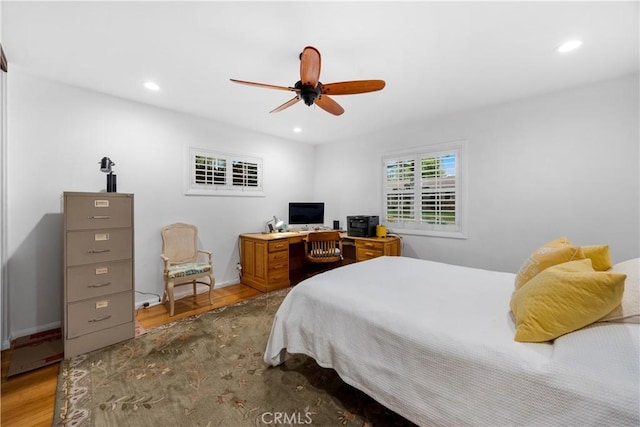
{"points": [[270, 261]]}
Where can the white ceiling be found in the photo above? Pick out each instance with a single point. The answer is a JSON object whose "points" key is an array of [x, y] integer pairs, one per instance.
{"points": [[436, 57]]}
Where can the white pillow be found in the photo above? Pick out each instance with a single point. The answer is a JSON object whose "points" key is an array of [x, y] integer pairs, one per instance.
{"points": [[629, 309]]}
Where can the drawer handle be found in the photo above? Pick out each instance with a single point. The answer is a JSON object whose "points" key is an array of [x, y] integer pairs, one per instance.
{"points": [[98, 251], [99, 285], [100, 319], [369, 253], [99, 217]]}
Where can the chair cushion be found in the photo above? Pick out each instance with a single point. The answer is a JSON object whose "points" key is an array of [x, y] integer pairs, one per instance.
{"points": [[189, 269]]}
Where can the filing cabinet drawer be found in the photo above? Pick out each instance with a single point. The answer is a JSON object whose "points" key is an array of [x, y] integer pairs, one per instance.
{"points": [[89, 247], [84, 212], [94, 280], [279, 245], [95, 314]]}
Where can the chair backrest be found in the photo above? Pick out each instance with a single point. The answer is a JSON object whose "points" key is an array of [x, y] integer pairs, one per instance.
{"points": [[323, 246], [180, 243]]}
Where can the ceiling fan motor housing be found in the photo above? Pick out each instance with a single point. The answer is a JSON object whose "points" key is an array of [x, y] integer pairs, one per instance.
{"points": [[308, 93]]}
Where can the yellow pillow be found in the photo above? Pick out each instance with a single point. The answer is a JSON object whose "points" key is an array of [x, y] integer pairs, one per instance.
{"points": [[564, 298], [550, 254], [599, 255], [560, 242]]}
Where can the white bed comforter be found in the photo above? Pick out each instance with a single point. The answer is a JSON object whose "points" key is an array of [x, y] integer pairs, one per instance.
{"points": [[434, 342]]}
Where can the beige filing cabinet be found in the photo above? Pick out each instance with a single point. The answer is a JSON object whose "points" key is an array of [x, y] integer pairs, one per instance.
{"points": [[98, 270]]}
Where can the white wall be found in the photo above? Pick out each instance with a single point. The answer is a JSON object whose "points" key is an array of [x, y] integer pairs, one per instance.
{"points": [[57, 136], [563, 164], [559, 164]]}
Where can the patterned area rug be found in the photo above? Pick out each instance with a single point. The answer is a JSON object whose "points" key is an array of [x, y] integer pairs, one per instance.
{"points": [[207, 370]]}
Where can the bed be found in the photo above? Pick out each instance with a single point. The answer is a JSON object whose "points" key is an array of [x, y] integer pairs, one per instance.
{"points": [[435, 343]]}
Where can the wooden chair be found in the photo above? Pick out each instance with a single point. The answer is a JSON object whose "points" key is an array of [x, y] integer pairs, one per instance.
{"points": [[323, 246], [182, 261]]}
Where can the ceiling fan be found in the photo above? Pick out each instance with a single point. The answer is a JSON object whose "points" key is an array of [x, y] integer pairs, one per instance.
{"points": [[312, 91]]}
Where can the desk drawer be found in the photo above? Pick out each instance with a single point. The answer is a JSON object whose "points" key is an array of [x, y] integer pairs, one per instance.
{"points": [[278, 277], [90, 281], [365, 253], [99, 313], [280, 256], [365, 244], [279, 245], [297, 239], [89, 247], [278, 267], [83, 212]]}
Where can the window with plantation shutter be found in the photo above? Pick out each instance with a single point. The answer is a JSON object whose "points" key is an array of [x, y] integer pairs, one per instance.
{"points": [[423, 190], [223, 174]]}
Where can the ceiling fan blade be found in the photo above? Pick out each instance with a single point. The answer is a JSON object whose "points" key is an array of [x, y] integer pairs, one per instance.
{"points": [[265, 85], [329, 105], [352, 87], [310, 66], [287, 104]]}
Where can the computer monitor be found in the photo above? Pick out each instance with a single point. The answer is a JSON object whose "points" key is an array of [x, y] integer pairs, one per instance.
{"points": [[306, 213]]}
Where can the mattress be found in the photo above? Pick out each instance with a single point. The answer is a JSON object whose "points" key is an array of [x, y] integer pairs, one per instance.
{"points": [[434, 342]]}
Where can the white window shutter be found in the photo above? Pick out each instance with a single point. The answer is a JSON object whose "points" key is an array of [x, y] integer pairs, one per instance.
{"points": [[423, 191]]}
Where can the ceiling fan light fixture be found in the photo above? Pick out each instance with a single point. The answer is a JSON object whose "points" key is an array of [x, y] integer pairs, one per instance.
{"points": [[568, 46]]}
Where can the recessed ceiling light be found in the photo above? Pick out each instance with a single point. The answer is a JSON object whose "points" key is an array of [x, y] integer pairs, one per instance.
{"points": [[152, 86], [297, 129], [569, 46]]}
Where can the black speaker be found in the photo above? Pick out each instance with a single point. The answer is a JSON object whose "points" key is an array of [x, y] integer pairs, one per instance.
{"points": [[336, 224]]}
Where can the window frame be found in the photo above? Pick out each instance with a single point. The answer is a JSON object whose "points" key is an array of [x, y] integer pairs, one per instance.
{"points": [[415, 192], [223, 183]]}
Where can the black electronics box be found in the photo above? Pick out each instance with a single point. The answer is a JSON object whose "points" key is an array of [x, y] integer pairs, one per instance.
{"points": [[362, 225]]}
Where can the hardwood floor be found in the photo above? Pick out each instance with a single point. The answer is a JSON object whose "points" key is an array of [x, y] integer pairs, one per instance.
{"points": [[28, 399]]}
